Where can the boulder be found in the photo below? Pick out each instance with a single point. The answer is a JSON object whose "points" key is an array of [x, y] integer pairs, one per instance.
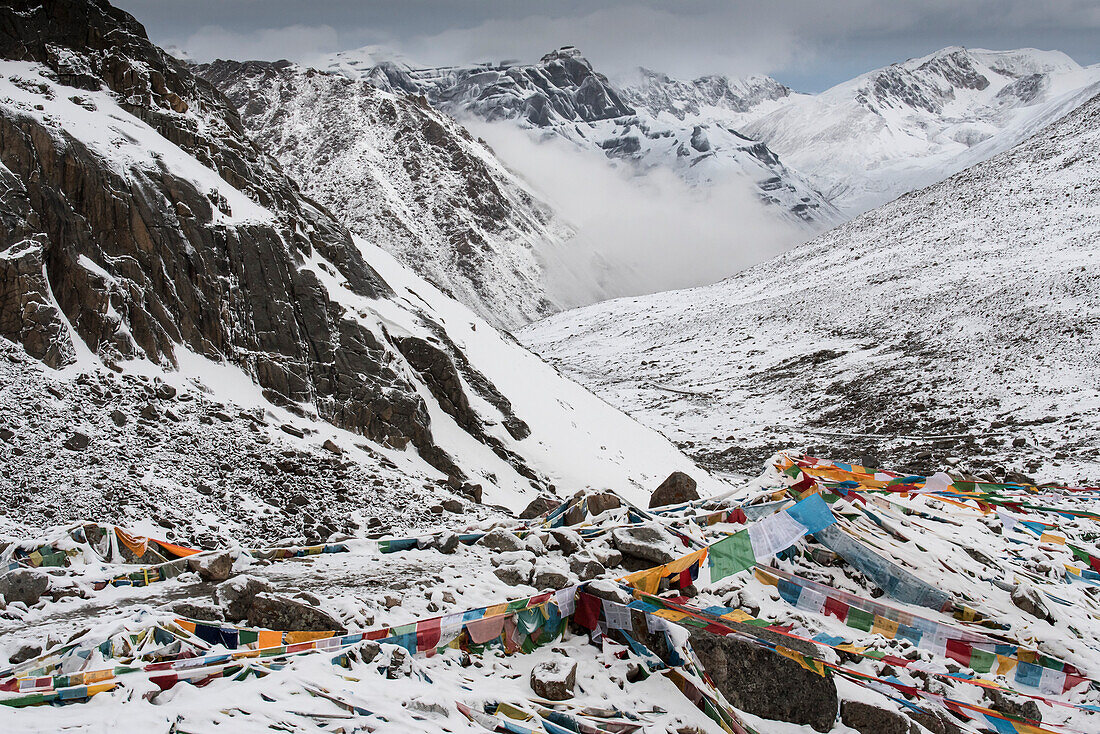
{"points": [[868, 719], [446, 542], [1028, 599], [514, 574], [549, 576], [281, 613], [77, 441], [25, 653], [500, 539], [569, 541], [554, 680], [766, 684], [675, 490], [652, 545], [119, 418], [24, 584], [237, 594], [609, 557], [215, 568], [538, 506], [602, 502], [1013, 705], [586, 567], [201, 611]]}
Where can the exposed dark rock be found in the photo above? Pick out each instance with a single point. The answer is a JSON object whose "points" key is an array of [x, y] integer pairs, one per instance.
{"points": [[585, 567], [25, 653], [202, 611], [237, 594], [280, 613], [602, 502], [554, 680], [569, 541], [765, 683], [25, 585], [676, 489], [77, 441], [513, 574], [1013, 705], [1027, 598], [868, 719], [538, 506], [214, 568]]}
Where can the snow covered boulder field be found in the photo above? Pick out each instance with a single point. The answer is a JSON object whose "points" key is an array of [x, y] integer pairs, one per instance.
{"points": [[269, 461]]}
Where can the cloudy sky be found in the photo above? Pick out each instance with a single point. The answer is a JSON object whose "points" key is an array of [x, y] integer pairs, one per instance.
{"points": [[809, 44]]}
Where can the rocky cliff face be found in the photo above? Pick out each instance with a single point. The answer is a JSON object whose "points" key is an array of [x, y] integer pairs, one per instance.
{"points": [[408, 178], [132, 260], [144, 233]]}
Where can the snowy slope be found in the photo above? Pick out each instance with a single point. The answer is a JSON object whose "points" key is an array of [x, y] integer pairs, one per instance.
{"points": [[411, 180], [889, 131], [563, 95], [958, 320], [146, 236]]}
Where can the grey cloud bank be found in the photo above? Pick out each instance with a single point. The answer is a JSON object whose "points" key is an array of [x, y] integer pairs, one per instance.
{"points": [[808, 45]]}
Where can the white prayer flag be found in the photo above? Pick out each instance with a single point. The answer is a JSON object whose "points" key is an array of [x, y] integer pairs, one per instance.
{"points": [[773, 534]]}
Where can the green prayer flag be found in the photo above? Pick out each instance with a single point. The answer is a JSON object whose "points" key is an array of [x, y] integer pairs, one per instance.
{"points": [[731, 555], [981, 661], [860, 619]]}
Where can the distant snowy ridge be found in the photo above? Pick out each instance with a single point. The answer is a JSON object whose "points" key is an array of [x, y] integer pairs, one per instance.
{"points": [[563, 95], [908, 125]]}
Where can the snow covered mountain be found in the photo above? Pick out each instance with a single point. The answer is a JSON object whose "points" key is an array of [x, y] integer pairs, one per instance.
{"points": [[563, 95], [866, 141], [411, 180], [151, 250], [959, 320]]}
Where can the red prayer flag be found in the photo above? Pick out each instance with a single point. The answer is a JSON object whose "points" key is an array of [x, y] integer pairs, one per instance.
{"points": [[427, 634], [587, 613], [836, 608], [959, 650]]}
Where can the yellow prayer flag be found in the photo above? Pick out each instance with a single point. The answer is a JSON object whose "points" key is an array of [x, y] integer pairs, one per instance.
{"points": [[888, 628]]}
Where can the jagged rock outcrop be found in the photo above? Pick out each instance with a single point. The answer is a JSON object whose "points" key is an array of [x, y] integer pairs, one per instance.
{"points": [[408, 177], [143, 259]]}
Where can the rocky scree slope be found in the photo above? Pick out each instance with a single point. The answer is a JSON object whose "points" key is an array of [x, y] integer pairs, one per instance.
{"points": [[409, 179], [563, 95], [144, 232], [957, 321], [892, 130]]}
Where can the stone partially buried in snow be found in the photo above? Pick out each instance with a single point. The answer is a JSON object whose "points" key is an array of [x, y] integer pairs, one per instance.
{"points": [[215, 568], [237, 594], [868, 719], [648, 543], [501, 540], [554, 680], [24, 584], [280, 613], [675, 490], [765, 683]]}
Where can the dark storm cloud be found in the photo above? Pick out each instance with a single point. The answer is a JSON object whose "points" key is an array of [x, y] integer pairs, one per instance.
{"points": [[807, 43]]}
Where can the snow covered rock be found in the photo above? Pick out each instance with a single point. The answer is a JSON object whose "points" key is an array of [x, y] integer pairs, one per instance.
{"points": [[215, 568], [649, 544], [1027, 598], [237, 594], [24, 585], [501, 540], [554, 680]]}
